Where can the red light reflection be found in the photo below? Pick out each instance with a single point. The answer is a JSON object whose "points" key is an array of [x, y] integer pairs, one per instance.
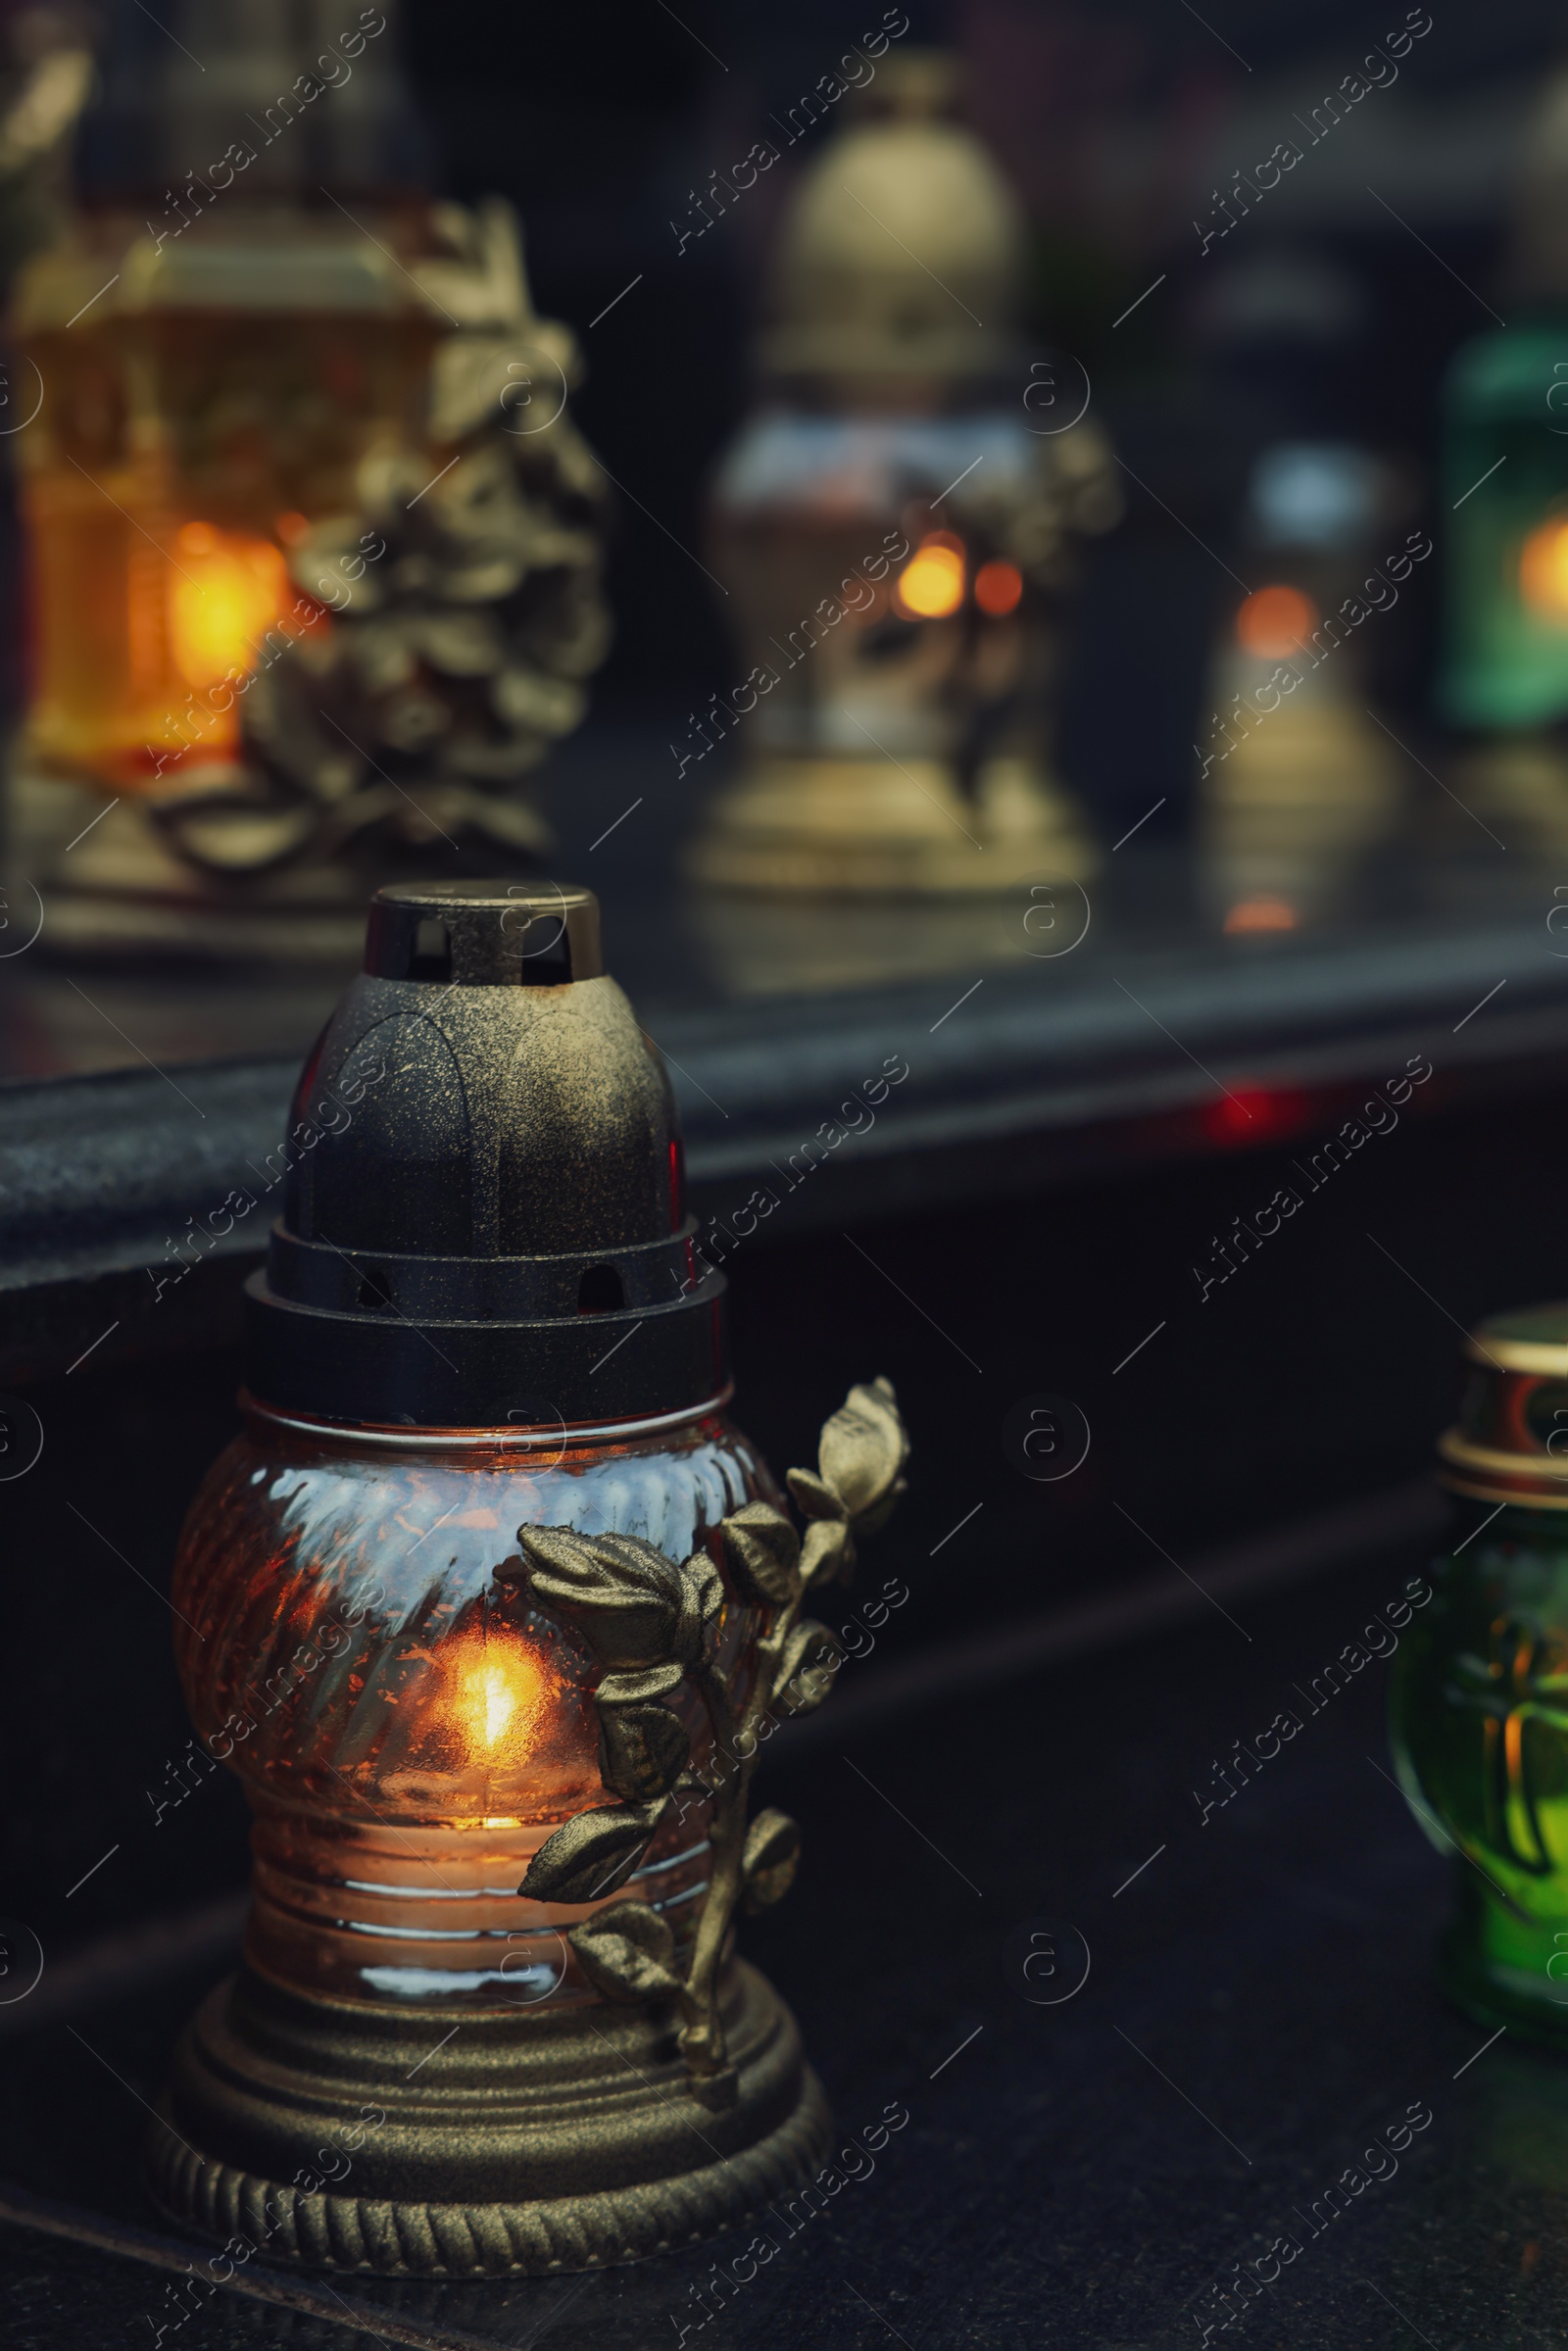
{"points": [[1255, 1114]]}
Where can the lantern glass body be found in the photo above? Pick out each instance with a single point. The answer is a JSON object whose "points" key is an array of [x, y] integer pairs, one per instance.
{"points": [[408, 1731], [191, 427], [1507, 470], [874, 623], [1480, 1724]]}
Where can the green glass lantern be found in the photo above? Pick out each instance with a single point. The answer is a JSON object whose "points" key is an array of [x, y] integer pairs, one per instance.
{"points": [[1506, 491], [1480, 1687], [1507, 483]]}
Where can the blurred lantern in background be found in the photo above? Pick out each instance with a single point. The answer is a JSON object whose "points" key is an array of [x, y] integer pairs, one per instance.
{"points": [[313, 565], [1297, 779], [896, 524], [46, 74], [1506, 481]]}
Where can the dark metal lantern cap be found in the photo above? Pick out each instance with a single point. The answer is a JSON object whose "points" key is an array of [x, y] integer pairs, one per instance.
{"points": [[483, 1217], [484, 934]]}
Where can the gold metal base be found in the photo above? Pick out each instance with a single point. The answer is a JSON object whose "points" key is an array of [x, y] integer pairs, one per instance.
{"points": [[459, 2142], [115, 890], [1519, 783], [885, 827], [125, 930]]}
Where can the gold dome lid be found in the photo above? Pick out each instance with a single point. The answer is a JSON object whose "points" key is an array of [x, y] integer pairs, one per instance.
{"points": [[1512, 1444], [903, 246]]}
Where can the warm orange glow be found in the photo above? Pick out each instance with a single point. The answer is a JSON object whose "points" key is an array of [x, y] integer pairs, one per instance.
{"points": [[1261, 914], [491, 1700], [1543, 571], [998, 588], [498, 1695], [224, 592], [291, 528], [1275, 622], [931, 583]]}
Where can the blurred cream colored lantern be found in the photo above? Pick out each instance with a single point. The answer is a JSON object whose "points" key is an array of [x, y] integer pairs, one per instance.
{"points": [[896, 524], [1298, 782]]}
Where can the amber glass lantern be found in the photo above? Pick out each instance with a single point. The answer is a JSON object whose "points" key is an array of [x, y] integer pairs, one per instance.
{"points": [[489, 1608], [311, 568], [896, 524]]}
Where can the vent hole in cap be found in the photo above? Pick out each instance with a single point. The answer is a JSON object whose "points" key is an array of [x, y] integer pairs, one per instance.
{"points": [[431, 959], [375, 1290], [599, 1292]]}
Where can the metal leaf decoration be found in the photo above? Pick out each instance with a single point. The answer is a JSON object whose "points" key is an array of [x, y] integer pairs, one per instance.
{"points": [[812, 1658], [627, 1953], [635, 1687], [812, 1499], [827, 1551], [643, 1750], [591, 1854], [646, 1619], [772, 1856]]}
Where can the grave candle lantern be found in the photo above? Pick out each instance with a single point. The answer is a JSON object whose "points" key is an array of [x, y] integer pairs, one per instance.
{"points": [[312, 540], [489, 1608], [1504, 680], [1480, 1694], [897, 525]]}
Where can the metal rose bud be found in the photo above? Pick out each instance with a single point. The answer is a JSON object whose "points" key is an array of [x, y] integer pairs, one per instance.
{"points": [[763, 1552], [862, 1452], [630, 1603]]}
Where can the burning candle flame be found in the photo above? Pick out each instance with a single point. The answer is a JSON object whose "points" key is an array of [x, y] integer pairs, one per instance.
{"points": [[496, 1695], [931, 583], [1543, 571], [224, 592], [1275, 622], [999, 589]]}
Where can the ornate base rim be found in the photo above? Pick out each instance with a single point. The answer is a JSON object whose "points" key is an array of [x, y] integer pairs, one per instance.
{"points": [[390, 2237], [830, 826], [793, 868]]}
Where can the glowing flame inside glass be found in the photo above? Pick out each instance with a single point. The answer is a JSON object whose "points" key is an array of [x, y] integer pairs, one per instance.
{"points": [[1543, 572], [226, 591], [931, 584], [1275, 622], [488, 1705], [999, 589], [1261, 914]]}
